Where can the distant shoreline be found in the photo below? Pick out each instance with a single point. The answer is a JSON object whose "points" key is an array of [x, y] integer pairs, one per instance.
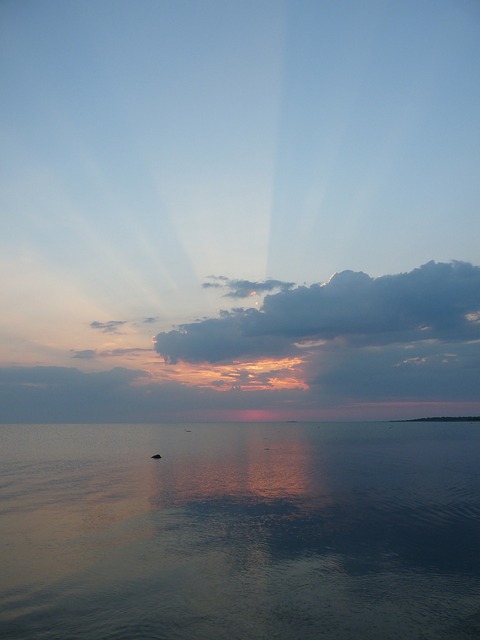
{"points": [[443, 419]]}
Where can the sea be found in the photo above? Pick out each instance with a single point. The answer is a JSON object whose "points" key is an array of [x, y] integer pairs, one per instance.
{"points": [[289, 531]]}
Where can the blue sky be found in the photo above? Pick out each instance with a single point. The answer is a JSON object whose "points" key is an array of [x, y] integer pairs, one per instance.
{"points": [[185, 171]]}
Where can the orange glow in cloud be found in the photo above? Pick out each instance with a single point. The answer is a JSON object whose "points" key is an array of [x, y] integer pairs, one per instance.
{"points": [[259, 375]]}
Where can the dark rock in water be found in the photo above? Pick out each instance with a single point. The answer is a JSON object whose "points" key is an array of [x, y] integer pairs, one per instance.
{"points": [[157, 456]]}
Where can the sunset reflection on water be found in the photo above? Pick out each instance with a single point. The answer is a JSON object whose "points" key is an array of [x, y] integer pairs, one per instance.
{"points": [[71, 511], [265, 465]]}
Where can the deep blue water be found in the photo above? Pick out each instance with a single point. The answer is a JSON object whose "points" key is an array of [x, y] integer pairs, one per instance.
{"points": [[240, 531]]}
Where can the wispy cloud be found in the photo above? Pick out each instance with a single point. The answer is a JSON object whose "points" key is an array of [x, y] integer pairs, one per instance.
{"points": [[90, 354], [246, 288], [124, 352], [112, 326], [84, 354]]}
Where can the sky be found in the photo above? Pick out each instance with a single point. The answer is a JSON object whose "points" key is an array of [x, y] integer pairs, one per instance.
{"points": [[222, 210]]}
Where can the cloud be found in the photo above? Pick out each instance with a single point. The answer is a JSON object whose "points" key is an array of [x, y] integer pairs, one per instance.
{"points": [[64, 394], [124, 351], [111, 326], [84, 354], [418, 372], [437, 301], [91, 354], [219, 339], [361, 384], [51, 394], [246, 288], [431, 302], [57, 377]]}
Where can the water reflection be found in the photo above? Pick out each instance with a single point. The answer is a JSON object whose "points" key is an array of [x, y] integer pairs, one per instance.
{"points": [[258, 467], [58, 517], [363, 509], [240, 532]]}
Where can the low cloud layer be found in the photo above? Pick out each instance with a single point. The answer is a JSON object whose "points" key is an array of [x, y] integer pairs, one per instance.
{"points": [[437, 301], [360, 384]]}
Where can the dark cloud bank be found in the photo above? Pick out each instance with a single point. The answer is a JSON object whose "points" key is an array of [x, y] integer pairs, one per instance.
{"points": [[369, 345], [65, 394], [434, 302]]}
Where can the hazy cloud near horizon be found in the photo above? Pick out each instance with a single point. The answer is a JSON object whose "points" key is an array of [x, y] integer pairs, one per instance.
{"points": [[65, 394], [437, 301]]}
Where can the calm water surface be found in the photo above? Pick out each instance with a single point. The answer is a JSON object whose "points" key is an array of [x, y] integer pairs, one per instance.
{"points": [[240, 531]]}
